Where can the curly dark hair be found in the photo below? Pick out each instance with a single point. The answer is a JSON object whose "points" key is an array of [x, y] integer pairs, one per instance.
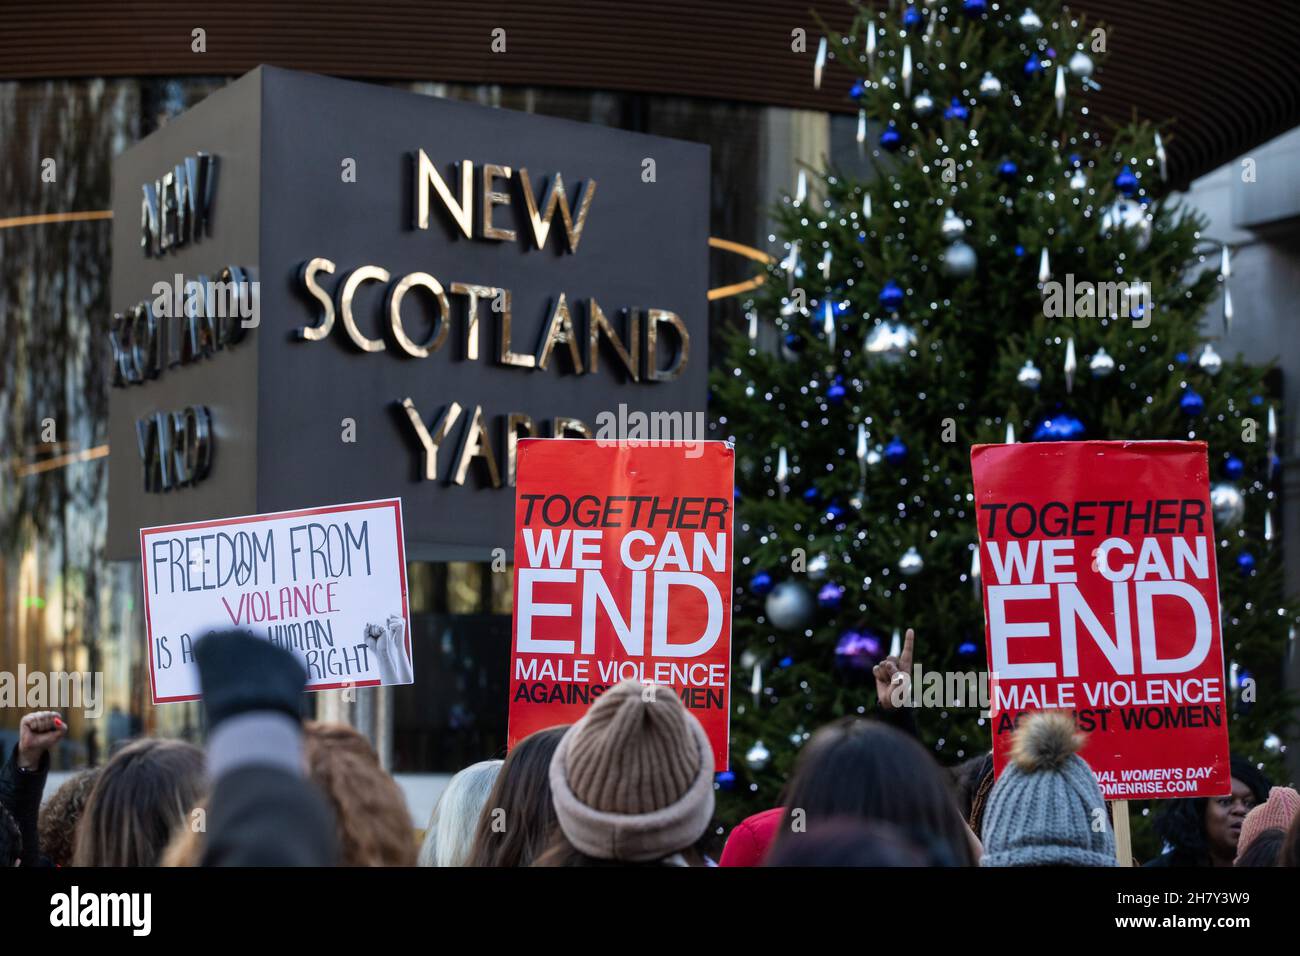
{"points": [[1181, 823], [59, 816]]}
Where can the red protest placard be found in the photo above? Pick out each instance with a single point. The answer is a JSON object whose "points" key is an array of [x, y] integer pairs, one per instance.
{"points": [[622, 572], [1101, 597]]}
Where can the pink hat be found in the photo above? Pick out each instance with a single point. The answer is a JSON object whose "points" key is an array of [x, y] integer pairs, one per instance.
{"points": [[1278, 811]]}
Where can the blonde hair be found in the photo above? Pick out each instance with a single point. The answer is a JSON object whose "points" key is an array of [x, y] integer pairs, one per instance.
{"points": [[450, 836]]}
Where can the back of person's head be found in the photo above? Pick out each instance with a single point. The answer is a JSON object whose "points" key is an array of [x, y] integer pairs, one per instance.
{"points": [[1046, 808], [144, 793], [866, 770], [1290, 853], [1181, 824], [974, 781], [59, 816], [1275, 813], [1264, 850], [11, 840], [518, 819], [632, 782], [450, 836], [850, 842], [374, 825]]}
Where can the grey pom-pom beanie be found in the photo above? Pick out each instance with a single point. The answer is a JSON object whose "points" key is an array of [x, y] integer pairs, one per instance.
{"points": [[1046, 809]]}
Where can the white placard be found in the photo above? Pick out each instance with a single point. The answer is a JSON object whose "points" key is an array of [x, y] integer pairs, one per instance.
{"points": [[327, 584]]}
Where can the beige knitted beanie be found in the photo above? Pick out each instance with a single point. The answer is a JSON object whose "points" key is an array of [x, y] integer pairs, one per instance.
{"points": [[633, 779]]}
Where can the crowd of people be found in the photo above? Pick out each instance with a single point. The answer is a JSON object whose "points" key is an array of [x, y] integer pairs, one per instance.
{"points": [[629, 784]]}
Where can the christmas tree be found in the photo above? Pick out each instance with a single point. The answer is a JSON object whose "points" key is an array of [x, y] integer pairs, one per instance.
{"points": [[1007, 274]]}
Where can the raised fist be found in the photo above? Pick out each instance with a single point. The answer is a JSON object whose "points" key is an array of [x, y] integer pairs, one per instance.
{"points": [[388, 642]]}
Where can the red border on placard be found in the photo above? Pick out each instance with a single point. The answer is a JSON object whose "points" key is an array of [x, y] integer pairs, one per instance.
{"points": [[394, 503]]}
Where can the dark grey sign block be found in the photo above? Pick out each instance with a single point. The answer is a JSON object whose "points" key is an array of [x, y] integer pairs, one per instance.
{"points": [[286, 146]]}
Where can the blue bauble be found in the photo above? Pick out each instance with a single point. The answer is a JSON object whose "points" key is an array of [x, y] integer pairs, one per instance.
{"points": [[1234, 467], [1059, 427], [830, 596], [735, 493], [912, 17], [784, 662], [1008, 170], [834, 512], [1126, 182], [794, 342], [891, 296], [1191, 403], [1182, 358], [975, 8], [967, 649], [857, 650], [895, 451], [841, 307], [856, 90], [1246, 562], [1033, 66], [956, 111], [726, 780], [835, 393], [812, 495], [760, 583], [891, 139]]}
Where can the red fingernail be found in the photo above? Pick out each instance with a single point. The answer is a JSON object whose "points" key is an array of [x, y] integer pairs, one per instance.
{"points": [[58, 722]]}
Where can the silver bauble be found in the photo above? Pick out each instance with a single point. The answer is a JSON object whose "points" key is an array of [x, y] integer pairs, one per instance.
{"points": [[1228, 505], [1078, 180], [890, 341], [789, 606], [1210, 362], [953, 226], [958, 260], [748, 659], [1126, 215], [819, 565], [1029, 21], [1101, 364], [1029, 376], [990, 85], [1080, 64], [923, 103], [758, 756], [911, 562]]}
